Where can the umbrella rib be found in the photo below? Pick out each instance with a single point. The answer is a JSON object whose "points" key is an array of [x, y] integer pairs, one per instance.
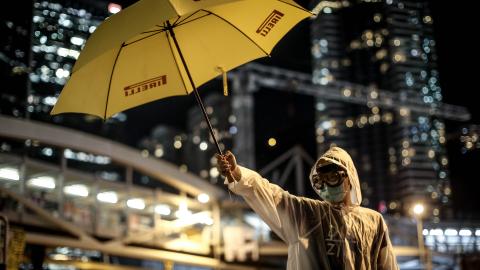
{"points": [[184, 22], [110, 82], [135, 41], [186, 18], [243, 33], [176, 63], [178, 18], [153, 31]]}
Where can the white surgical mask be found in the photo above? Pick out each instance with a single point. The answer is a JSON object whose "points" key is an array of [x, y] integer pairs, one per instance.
{"points": [[332, 194]]}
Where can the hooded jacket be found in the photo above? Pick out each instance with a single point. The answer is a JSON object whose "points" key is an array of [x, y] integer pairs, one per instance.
{"points": [[319, 235]]}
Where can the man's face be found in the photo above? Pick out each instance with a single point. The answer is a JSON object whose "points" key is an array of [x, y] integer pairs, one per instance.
{"points": [[330, 175]]}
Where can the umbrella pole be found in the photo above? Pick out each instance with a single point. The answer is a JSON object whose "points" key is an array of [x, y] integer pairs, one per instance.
{"points": [[197, 95]]}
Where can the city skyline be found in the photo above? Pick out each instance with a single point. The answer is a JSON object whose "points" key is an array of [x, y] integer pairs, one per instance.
{"points": [[390, 81]]}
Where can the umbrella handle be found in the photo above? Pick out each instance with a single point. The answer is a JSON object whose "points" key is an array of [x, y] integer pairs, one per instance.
{"points": [[230, 176]]}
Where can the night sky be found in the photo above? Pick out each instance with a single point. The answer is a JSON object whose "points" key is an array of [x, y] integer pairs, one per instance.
{"points": [[457, 59]]}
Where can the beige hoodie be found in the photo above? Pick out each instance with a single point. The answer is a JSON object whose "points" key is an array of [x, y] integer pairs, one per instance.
{"points": [[340, 157], [319, 235]]}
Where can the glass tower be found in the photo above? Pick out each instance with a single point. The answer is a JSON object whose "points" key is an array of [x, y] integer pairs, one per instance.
{"points": [[383, 45]]}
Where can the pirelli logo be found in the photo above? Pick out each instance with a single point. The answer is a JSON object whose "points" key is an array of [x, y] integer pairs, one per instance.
{"points": [[145, 85], [270, 22]]}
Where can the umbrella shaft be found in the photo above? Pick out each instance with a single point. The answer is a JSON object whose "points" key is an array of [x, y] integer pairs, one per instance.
{"points": [[197, 95]]}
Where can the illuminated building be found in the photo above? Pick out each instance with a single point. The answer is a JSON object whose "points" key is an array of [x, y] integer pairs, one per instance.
{"points": [[14, 57], [400, 154], [44, 43]]}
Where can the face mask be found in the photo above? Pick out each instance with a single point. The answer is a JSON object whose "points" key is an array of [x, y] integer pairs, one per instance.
{"points": [[332, 194]]}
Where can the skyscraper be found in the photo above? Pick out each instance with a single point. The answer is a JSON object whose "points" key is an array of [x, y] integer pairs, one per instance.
{"points": [[383, 45], [14, 56], [42, 41], [39, 53]]}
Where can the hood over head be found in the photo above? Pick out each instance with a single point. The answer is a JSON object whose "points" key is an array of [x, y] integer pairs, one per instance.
{"points": [[340, 157]]}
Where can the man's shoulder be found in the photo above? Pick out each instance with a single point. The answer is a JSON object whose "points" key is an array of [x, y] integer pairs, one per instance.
{"points": [[367, 212]]}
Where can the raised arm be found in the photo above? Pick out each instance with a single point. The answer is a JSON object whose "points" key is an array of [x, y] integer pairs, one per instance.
{"points": [[279, 209]]}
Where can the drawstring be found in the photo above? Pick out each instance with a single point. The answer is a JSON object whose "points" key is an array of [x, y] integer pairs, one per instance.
{"points": [[225, 81]]}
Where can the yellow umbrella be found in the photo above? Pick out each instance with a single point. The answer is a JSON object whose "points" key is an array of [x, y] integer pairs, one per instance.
{"points": [[172, 56]]}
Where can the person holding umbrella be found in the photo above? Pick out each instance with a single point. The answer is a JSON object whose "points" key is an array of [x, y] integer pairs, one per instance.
{"points": [[333, 233]]}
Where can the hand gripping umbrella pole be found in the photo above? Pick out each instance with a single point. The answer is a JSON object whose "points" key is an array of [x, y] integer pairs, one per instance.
{"points": [[197, 96]]}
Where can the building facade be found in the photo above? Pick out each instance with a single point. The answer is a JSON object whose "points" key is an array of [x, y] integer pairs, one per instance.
{"points": [[39, 52], [389, 45]]}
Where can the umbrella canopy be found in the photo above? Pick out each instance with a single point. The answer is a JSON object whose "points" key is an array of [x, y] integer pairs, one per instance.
{"points": [[133, 20], [172, 56]]}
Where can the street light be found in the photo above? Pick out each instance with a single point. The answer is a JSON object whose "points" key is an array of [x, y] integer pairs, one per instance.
{"points": [[418, 210]]}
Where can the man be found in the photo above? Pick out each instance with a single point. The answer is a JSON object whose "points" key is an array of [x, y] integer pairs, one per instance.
{"points": [[336, 233]]}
